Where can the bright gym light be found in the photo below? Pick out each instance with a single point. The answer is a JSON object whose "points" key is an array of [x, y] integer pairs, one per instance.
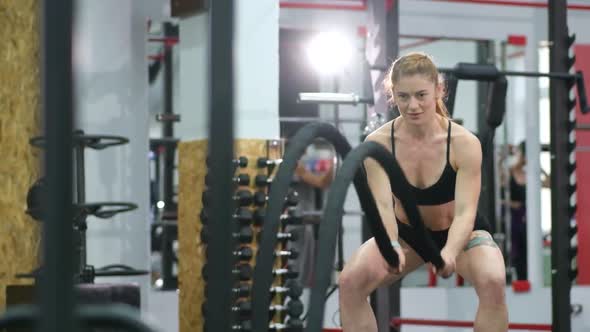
{"points": [[329, 52]]}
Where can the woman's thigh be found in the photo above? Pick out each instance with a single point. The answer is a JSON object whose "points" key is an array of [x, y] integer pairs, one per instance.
{"points": [[368, 267], [481, 260]]}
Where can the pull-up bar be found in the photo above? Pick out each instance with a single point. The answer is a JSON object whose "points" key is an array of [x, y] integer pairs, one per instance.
{"points": [[489, 73]]}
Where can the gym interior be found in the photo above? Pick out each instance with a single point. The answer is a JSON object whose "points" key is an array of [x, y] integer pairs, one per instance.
{"points": [[156, 92]]}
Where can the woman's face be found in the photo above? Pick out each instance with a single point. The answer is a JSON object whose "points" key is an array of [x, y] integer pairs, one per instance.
{"points": [[415, 97]]}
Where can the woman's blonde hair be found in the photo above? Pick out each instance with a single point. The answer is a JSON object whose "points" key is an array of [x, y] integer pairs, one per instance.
{"points": [[411, 64]]}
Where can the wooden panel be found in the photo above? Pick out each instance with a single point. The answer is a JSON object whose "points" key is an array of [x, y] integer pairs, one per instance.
{"points": [[192, 171], [19, 121], [191, 253]]}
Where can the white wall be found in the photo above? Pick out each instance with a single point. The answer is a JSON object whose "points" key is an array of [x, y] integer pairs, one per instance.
{"points": [[257, 69], [111, 99], [193, 78], [256, 73]]}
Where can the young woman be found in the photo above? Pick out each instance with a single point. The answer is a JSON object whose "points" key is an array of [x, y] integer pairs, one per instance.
{"points": [[442, 162]]}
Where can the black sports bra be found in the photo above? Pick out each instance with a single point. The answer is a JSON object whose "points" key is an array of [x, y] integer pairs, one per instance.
{"points": [[517, 191], [443, 191]]}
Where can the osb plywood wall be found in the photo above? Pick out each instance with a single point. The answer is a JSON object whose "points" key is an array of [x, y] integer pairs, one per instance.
{"points": [[192, 171], [19, 121]]}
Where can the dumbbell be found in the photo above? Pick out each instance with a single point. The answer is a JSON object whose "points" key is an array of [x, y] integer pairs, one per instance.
{"points": [[242, 197], [292, 216], [242, 290], [292, 325], [243, 216], [292, 199], [281, 236], [243, 236], [242, 271], [241, 162], [244, 254], [293, 308], [287, 254], [35, 199], [244, 326], [260, 198], [262, 180], [287, 273], [292, 288], [240, 180], [258, 216], [265, 162]]}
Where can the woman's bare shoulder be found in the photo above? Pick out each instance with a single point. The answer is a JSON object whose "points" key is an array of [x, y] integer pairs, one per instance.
{"points": [[382, 134]]}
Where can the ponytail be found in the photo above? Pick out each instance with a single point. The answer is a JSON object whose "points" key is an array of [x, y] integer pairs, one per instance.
{"points": [[441, 108]]}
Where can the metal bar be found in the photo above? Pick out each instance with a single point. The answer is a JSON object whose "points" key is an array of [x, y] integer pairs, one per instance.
{"points": [[532, 4], [396, 322], [487, 199], [507, 217], [559, 112], [556, 75], [57, 297], [80, 261], [333, 98], [169, 233], [315, 119], [553, 74], [390, 296], [168, 126], [221, 149]]}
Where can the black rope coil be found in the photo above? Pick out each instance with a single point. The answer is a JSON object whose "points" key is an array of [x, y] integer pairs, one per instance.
{"points": [[280, 186], [350, 170]]}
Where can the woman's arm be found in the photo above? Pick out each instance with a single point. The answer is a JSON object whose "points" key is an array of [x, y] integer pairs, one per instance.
{"points": [[467, 190]]}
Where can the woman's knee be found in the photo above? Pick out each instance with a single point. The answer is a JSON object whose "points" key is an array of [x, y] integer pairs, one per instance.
{"points": [[491, 289], [353, 282], [362, 274]]}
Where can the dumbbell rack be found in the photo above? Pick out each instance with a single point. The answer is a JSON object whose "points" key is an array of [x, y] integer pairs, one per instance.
{"points": [[249, 225], [84, 273], [286, 277]]}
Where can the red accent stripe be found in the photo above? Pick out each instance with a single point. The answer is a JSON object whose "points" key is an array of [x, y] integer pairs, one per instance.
{"points": [[516, 55], [327, 6], [432, 278], [168, 41], [396, 322], [515, 3], [156, 57], [460, 282], [517, 40]]}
